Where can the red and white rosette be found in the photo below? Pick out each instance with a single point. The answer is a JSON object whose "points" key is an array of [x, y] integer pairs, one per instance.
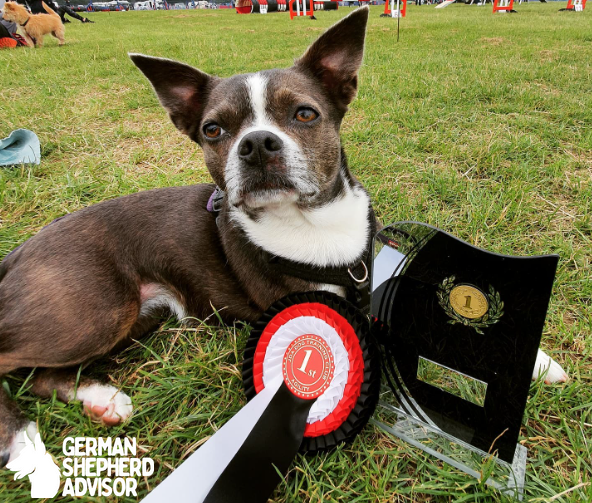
{"points": [[319, 343]]}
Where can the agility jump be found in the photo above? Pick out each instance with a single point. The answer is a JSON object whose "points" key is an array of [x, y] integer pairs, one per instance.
{"points": [[503, 6], [575, 6], [260, 6], [392, 8], [304, 8], [296, 7]]}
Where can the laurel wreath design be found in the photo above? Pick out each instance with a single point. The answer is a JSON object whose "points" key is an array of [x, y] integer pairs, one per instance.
{"points": [[491, 317]]}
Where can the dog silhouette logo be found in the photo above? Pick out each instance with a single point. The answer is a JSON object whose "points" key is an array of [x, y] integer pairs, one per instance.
{"points": [[38, 464]]}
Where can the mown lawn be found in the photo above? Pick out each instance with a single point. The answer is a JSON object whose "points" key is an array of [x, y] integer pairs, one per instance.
{"points": [[475, 123]]}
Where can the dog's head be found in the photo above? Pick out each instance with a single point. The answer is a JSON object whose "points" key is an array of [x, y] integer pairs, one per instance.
{"points": [[13, 12], [271, 137]]}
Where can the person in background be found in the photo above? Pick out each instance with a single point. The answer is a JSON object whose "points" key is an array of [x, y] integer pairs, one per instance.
{"points": [[6, 39], [36, 7]]}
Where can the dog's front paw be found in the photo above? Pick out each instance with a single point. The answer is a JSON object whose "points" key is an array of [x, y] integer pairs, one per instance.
{"points": [[105, 403], [15, 448], [549, 368]]}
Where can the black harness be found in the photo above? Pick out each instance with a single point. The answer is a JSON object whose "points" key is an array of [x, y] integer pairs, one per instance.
{"points": [[354, 277]]}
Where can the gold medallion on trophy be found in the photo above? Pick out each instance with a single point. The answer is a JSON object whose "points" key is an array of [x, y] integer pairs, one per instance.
{"points": [[468, 301]]}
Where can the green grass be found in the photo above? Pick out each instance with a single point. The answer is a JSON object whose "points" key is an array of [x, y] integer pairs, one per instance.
{"points": [[475, 123]]}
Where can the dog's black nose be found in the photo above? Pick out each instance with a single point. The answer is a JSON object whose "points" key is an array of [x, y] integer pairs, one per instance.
{"points": [[258, 147]]}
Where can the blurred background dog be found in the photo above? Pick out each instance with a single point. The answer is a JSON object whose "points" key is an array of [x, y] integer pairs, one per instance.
{"points": [[35, 26]]}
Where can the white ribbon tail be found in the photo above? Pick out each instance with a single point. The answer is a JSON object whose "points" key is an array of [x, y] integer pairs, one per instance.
{"points": [[193, 480]]}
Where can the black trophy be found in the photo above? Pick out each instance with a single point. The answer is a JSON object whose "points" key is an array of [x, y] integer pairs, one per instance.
{"points": [[460, 328]]}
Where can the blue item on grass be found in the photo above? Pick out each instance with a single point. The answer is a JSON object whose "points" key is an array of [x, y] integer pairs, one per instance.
{"points": [[21, 147]]}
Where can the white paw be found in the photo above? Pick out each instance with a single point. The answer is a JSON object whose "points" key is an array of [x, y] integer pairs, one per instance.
{"points": [[18, 442], [549, 368], [105, 403]]}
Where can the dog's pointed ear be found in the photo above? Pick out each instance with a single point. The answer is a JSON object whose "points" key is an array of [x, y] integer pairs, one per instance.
{"points": [[336, 56], [181, 89]]}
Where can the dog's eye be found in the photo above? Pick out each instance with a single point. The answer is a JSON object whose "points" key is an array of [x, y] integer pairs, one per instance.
{"points": [[306, 114], [212, 130]]}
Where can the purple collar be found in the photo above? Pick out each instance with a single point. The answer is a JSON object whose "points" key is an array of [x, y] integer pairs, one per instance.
{"points": [[216, 200]]}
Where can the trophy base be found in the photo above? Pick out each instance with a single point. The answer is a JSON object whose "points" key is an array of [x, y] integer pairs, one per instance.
{"points": [[506, 477]]}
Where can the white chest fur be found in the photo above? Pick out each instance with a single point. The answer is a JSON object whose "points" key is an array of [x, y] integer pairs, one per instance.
{"points": [[331, 235]]}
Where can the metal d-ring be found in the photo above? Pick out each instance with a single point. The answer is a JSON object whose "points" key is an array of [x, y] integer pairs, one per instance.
{"points": [[365, 274]]}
